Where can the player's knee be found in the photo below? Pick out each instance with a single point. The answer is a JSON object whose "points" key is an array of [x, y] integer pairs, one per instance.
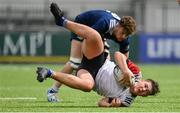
{"points": [[75, 62]]}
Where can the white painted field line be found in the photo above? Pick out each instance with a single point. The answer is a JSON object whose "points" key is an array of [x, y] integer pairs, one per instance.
{"points": [[18, 98]]}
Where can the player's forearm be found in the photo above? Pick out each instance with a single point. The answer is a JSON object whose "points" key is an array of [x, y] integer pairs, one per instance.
{"points": [[126, 74], [120, 60], [113, 102], [104, 103], [127, 54]]}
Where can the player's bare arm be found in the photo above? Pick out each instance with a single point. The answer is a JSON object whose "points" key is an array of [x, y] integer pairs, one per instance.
{"points": [[127, 75], [110, 102], [104, 102], [127, 54]]}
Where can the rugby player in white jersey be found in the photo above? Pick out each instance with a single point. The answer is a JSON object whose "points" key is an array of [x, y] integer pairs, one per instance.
{"points": [[112, 80]]}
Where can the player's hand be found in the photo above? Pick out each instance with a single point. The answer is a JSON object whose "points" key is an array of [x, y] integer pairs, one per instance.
{"points": [[127, 79], [116, 102]]}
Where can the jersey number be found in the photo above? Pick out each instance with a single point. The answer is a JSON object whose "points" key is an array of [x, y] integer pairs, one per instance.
{"points": [[114, 15]]}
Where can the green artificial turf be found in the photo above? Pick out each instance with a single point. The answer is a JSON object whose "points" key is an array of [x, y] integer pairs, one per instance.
{"points": [[21, 92]]}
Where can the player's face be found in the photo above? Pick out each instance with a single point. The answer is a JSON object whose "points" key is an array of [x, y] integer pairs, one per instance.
{"points": [[142, 88], [119, 33]]}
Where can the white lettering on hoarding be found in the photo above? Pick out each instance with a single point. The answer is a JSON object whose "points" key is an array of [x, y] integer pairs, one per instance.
{"points": [[163, 48], [24, 47], [9, 45], [48, 45], [36, 41]]}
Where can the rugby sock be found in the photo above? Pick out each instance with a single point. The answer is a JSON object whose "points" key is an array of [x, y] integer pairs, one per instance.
{"points": [[50, 73], [61, 21], [55, 88]]}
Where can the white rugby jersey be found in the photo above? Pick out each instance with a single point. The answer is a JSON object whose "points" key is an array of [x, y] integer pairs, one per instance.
{"points": [[107, 85]]}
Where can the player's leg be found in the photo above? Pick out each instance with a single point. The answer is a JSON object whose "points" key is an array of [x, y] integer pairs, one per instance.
{"points": [[93, 41], [84, 82], [53, 91], [92, 47], [73, 64], [75, 54]]}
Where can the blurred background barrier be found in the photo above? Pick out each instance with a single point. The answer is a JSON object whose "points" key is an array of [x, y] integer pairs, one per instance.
{"points": [[34, 46], [27, 29]]}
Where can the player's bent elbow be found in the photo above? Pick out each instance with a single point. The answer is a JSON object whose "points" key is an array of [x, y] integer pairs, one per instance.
{"points": [[103, 104], [88, 88]]}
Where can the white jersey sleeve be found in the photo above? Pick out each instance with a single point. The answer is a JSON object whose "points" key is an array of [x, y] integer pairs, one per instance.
{"points": [[127, 98]]}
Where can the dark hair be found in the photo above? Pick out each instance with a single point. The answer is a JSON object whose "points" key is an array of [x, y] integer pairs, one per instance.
{"points": [[155, 87], [129, 25]]}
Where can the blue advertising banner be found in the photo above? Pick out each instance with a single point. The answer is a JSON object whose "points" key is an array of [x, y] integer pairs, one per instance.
{"points": [[160, 48]]}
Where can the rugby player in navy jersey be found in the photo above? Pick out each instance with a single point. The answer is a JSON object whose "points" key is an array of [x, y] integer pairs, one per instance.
{"points": [[109, 25], [98, 73]]}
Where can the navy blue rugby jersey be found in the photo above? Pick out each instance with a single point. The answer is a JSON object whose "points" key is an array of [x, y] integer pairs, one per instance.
{"points": [[103, 21]]}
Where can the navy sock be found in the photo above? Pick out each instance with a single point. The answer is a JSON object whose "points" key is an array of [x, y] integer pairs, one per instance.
{"points": [[49, 73], [61, 22]]}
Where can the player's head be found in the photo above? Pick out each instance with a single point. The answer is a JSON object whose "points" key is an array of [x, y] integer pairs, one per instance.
{"points": [[126, 27], [129, 25], [145, 88]]}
